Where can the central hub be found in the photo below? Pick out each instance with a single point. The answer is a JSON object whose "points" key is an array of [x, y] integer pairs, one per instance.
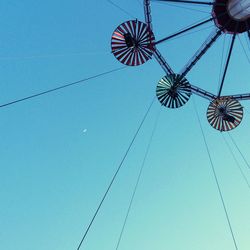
{"points": [[232, 16], [222, 110], [239, 9], [129, 40]]}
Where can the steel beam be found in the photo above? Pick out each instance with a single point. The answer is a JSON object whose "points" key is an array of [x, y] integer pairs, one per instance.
{"points": [[203, 49], [202, 93]]}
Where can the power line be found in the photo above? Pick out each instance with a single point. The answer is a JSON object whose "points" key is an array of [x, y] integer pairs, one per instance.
{"points": [[138, 180], [248, 59], [121, 9], [216, 178], [90, 53], [60, 87], [236, 161], [243, 157], [140, 3], [181, 7], [114, 176]]}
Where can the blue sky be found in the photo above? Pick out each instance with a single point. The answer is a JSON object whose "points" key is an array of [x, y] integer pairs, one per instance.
{"points": [[59, 151]]}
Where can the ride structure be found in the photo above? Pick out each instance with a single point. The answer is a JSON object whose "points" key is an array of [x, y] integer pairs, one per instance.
{"points": [[133, 43]]}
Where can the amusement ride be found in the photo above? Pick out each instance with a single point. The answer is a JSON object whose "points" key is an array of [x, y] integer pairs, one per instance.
{"points": [[133, 43]]}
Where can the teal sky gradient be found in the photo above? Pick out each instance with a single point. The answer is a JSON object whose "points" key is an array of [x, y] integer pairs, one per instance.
{"points": [[59, 151]]}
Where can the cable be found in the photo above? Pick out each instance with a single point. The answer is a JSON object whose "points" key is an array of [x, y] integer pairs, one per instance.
{"points": [[138, 1], [244, 49], [181, 7], [120, 8], [138, 180], [215, 177], [246, 109], [90, 53], [114, 176], [60, 87], [236, 161], [243, 157]]}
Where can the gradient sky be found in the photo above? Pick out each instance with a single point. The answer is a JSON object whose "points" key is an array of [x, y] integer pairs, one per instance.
{"points": [[59, 151]]}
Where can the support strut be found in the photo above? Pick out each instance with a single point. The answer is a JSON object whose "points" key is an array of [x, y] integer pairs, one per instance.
{"points": [[183, 31], [203, 49], [163, 62], [189, 2], [227, 63], [147, 13], [240, 97], [202, 93]]}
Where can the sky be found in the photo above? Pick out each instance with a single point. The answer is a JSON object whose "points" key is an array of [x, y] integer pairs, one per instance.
{"points": [[59, 151]]}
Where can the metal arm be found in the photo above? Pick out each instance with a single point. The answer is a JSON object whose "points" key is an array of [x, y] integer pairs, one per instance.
{"points": [[190, 2], [240, 97], [163, 62], [227, 63], [147, 13], [203, 93], [203, 49], [157, 54], [184, 30]]}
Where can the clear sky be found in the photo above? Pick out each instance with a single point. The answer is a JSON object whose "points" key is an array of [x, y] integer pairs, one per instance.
{"points": [[59, 151]]}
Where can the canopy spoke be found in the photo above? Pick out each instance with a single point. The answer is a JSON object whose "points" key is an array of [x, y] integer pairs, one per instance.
{"points": [[189, 2], [203, 49], [184, 30], [227, 63]]}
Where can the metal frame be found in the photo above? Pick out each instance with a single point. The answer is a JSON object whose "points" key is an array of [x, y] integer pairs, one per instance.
{"points": [[198, 55]]}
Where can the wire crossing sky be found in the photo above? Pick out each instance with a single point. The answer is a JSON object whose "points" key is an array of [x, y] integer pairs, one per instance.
{"points": [[216, 180], [115, 175], [59, 88], [60, 151]]}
